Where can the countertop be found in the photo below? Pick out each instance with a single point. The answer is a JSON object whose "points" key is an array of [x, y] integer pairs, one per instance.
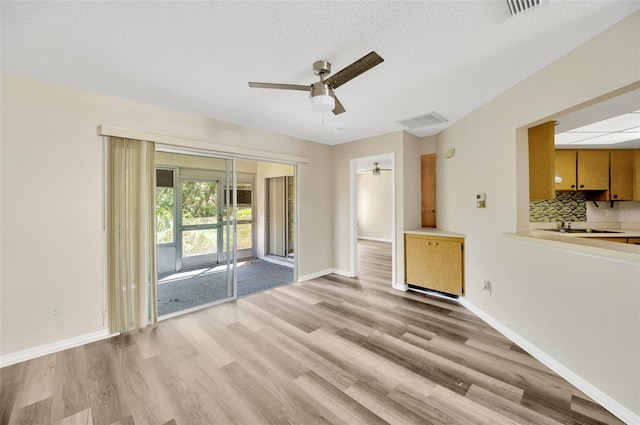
{"points": [[587, 243], [619, 233], [432, 231]]}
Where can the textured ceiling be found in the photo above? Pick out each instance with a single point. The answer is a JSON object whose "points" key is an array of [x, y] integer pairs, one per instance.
{"points": [[197, 57]]}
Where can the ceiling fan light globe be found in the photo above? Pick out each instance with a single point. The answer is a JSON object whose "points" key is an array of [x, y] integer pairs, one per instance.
{"points": [[322, 103]]}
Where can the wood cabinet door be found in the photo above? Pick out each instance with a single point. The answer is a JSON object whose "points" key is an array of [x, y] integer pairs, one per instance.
{"points": [[636, 175], [566, 169], [447, 267], [415, 257], [634, 241], [612, 239], [593, 170], [542, 162], [621, 175]]}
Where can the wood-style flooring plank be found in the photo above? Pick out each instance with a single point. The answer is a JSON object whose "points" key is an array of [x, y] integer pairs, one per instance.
{"points": [[331, 350]]}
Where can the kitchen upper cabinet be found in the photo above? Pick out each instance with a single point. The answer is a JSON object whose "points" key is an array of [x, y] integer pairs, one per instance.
{"points": [[566, 169], [542, 162], [621, 175], [636, 175], [593, 170], [435, 262]]}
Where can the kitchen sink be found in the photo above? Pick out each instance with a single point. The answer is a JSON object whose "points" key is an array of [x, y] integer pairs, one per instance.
{"points": [[580, 231]]}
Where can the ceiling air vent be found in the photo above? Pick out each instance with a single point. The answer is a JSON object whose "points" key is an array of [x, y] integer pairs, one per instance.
{"points": [[423, 121], [519, 6]]}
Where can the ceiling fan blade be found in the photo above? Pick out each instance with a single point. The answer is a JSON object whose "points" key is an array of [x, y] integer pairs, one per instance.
{"points": [[338, 108], [352, 71], [279, 86]]}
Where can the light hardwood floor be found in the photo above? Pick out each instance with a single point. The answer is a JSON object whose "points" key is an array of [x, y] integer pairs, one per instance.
{"points": [[331, 350]]}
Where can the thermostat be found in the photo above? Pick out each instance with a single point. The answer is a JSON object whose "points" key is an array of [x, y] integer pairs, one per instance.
{"points": [[481, 200]]}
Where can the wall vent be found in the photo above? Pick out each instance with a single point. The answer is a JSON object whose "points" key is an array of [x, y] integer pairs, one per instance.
{"points": [[423, 121], [519, 6]]}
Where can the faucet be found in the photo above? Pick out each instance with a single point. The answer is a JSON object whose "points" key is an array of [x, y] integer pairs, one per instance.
{"points": [[569, 225], [560, 225]]}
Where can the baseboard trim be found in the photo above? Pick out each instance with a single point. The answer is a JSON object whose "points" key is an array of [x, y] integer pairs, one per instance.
{"points": [[314, 275], [366, 238], [617, 409], [324, 273], [54, 347], [342, 273]]}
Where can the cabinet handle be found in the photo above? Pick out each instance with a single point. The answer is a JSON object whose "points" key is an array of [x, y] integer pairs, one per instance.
{"points": [[435, 243], [428, 243], [581, 186], [573, 186], [615, 196]]}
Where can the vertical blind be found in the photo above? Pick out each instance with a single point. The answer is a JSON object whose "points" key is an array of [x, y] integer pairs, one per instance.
{"points": [[131, 229]]}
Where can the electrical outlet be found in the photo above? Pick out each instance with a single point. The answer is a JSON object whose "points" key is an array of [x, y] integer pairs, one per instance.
{"points": [[55, 313]]}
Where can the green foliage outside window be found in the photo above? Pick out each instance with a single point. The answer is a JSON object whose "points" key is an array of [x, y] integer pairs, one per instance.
{"points": [[199, 202], [199, 206], [164, 214]]}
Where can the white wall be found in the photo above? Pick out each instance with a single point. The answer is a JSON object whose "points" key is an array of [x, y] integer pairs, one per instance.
{"points": [[374, 206], [581, 311], [52, 210]]}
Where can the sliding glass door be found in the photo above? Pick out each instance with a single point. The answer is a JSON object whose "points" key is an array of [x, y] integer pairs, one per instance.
{"points": [[195, 216]]}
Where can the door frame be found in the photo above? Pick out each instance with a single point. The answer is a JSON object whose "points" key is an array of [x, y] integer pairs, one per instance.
{"points": [[353, 208]]}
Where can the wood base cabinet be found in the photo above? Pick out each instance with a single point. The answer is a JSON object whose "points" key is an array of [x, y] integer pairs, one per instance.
{"points": [[435, 262]]}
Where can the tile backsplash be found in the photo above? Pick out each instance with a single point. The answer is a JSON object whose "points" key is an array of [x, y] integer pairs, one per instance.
{"points": [[568, 206]]}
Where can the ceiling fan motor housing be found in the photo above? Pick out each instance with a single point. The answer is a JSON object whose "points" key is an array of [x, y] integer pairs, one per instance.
{"points": [[321, 68]]}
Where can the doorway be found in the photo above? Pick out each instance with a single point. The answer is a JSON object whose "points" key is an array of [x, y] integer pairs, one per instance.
{"points": [[371, 193]]}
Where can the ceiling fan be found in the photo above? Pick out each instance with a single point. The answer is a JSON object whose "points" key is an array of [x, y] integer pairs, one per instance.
{"points": [[375, 170], [323, 99]]}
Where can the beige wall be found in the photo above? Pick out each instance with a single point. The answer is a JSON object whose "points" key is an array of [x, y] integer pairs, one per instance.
{"points": [[428, 145], [52, 210], [374, 206], [581, 311]]}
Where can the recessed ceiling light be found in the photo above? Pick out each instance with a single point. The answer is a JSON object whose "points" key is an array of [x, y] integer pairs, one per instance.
{"points": [[619, 123], [609, 139], [567, 138]]}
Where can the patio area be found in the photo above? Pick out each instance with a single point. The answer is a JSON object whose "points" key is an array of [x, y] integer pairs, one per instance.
{"points": [[183, 290]]}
